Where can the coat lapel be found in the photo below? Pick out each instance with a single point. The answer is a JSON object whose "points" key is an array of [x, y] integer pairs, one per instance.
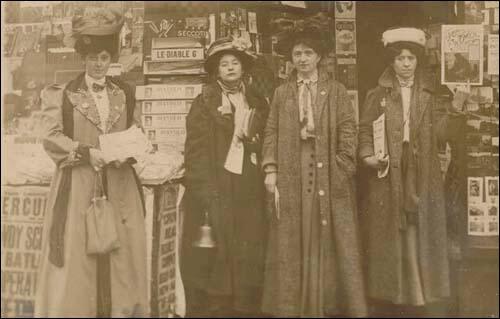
{"points": [[79, 95], [117, 104], [292, 98], [423, 92], [213, 98], [321, 95]]}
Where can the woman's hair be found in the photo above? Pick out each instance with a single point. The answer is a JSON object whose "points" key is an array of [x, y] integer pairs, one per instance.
{"points": [[394, 49], [96, 44], [310, 41], [213, 66]]}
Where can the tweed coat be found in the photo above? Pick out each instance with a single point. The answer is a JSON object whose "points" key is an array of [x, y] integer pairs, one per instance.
{"points": [[335, 146], [235, 203], [67, 283], [381, 217]]}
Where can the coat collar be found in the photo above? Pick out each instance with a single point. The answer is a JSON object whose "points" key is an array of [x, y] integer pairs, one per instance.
{"points": [[388, 80], [423, 85], [79, 95], [322, 91]]}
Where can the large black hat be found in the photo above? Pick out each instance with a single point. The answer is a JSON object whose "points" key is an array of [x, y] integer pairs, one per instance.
{"points": [[240, 47]]}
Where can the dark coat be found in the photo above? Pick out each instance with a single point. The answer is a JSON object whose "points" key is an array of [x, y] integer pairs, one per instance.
{"points": [[235, 202], [383, 203], [335, 146]]}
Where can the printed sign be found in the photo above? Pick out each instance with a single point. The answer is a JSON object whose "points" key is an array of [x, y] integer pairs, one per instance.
{"points": [[23, 210], [177, 54], [345, 36]]}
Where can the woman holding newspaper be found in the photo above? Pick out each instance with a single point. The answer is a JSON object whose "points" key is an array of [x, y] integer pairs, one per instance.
{"points": [[224, 189], [403, 213], [94, 255], [313, 264]]}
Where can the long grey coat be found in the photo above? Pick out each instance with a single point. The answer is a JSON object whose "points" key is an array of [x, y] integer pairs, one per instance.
{"points": [[381, 210], [335, 154], [70, 289]]}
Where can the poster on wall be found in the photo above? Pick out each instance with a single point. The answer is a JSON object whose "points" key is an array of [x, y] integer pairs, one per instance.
{"points": [[345, 9], [345, 36], [475, 190], [23, 210], [493, 54], [462, 54], [491, 184]]}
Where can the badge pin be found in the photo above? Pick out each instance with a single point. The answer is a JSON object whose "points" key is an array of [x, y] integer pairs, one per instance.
{"points": [[85, 105], [322, 93]]}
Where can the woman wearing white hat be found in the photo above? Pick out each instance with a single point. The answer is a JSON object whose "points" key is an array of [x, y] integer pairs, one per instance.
{"points": [[75, 278], [223, 178], [403, 212]]}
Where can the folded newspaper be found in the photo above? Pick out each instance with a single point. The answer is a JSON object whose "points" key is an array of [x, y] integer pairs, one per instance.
{"points": [[129, 143]]}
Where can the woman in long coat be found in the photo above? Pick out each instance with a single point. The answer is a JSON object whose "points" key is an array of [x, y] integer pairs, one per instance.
{"points": [[313, 263], [223, 178], [403, 214], [72, 283]]}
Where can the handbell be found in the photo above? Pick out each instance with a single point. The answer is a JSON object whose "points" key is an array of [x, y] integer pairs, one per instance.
{"points": [[205, 238]]}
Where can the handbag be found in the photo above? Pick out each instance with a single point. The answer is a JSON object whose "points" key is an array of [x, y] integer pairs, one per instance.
{"points": [[102, 234]]}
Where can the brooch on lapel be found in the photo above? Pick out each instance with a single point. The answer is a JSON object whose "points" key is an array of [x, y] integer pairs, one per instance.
{"points": [[383, 103], [322, 92]]}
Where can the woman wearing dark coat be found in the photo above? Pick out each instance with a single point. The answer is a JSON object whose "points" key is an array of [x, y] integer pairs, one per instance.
{"points": [[313, 263], [223, 178], [403, 214]]}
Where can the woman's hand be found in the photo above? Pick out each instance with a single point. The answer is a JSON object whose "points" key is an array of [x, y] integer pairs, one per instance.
{"points": [[119, 162], [97, 159], [376, 162], [270, 181]]}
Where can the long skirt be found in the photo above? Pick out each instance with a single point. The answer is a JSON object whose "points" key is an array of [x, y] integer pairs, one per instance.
{"points": [[318, 276]]}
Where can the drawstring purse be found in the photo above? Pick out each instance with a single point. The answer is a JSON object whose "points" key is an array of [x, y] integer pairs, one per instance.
{"points": [[102, 234]]}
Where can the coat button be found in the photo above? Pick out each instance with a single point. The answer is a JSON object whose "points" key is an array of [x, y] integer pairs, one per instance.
{"points": [[321, 193], [320, 165], [324, 222]]}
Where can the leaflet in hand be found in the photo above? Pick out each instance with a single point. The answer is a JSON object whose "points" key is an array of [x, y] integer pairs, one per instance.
{"points": [[379, 143], [125, 144]]}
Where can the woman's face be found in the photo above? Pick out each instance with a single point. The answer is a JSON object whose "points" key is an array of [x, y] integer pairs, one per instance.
{"points": [[97, 65], [405, 64], [304, 58], [230, 68]]}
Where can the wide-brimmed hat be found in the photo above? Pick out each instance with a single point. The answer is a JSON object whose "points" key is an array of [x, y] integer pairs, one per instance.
{"points": [[410, 35], [101, 22], [240, 47], [316, 28]]}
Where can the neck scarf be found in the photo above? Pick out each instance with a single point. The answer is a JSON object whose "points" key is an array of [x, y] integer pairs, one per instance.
{"points": [[405, 83], [306, 117], [235, 96]]}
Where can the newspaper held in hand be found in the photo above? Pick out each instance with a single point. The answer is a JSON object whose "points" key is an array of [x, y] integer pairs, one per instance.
{"points": [[130, 143], [379, 143]]}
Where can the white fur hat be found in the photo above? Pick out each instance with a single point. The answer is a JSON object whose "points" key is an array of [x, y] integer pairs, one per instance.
{"points": [[413, 35]]}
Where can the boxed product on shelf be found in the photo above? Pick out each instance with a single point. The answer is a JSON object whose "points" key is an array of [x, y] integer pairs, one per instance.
{"points": [[165, 106], [167, 91], [164, 120]]}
